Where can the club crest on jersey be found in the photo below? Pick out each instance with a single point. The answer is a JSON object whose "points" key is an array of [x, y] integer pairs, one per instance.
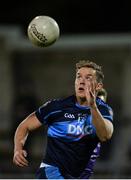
{"points": [[70, 116], [81, 118], [81, 127]]}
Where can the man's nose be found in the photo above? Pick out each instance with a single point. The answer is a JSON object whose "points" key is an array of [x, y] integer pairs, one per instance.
{"points": [[82, 81]]}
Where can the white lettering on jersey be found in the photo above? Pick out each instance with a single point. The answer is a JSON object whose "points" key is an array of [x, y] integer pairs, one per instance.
{"points": [[68, 115], [78, 129]]}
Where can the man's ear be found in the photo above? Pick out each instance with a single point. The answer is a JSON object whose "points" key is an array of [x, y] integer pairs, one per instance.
{"points": [[99, 86]]}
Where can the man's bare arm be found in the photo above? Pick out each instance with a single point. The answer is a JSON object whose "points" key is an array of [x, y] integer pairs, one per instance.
{"points": [[29, 124], [104, 128]]}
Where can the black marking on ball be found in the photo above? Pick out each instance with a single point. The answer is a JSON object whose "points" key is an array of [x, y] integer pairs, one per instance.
{"points": [[39, 35]]}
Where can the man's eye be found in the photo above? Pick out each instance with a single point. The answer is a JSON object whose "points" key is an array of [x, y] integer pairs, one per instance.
{"points": [[78, 77], [88, 78]]}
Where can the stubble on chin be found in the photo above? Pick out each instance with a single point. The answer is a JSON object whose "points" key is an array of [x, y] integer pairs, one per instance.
{"points": [[81, 99]]}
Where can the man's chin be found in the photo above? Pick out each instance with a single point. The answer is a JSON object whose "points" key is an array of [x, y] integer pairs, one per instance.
{"points": [[81, 96]]}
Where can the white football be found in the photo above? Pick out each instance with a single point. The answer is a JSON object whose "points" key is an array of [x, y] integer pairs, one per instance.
{"points": [[43, 31]]}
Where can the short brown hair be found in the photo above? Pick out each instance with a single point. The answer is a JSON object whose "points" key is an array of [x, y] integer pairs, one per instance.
{"points": [[90, 64]]}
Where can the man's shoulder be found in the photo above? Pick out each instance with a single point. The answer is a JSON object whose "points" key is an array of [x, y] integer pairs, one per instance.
{"points": [[69, 100], [101, 103], [65, 101]]}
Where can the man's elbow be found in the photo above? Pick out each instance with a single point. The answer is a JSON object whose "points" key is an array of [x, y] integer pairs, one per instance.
{"points": [[108, 132], [22, 128], [107, 136]]}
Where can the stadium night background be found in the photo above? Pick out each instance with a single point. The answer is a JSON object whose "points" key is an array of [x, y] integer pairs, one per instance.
{"points": [[96, 30]]}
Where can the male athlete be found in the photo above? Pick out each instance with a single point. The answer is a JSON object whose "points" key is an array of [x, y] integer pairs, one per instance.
{"points": [[76, 127]]}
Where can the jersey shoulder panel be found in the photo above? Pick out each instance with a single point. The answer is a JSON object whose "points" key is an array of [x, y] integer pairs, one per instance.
{"points": [[51, 107], [46, 109], [105, 109]]}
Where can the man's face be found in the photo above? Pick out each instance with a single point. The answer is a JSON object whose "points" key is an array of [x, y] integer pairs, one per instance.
{"points": [[84, 77]]}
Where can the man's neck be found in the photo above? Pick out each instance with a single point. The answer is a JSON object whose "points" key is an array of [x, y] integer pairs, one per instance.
{"points": [[82, 101]]}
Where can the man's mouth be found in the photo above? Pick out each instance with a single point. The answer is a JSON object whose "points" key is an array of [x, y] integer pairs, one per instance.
{"points": [[81, 89]]}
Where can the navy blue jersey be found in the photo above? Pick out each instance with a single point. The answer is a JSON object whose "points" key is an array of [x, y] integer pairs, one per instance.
{"points": [[72, 138]]}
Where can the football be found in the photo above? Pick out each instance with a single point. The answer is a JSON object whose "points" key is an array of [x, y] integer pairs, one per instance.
{"points": [[43, 31]]}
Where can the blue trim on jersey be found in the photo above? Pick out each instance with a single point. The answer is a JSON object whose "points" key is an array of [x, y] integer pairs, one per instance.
{"points": [[107, 117], [82, 107], [54, 112], [53, 172], [72, 130]]}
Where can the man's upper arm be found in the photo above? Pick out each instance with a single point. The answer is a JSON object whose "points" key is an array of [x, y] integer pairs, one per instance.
{"points": [[110, 127], [31, 122]]}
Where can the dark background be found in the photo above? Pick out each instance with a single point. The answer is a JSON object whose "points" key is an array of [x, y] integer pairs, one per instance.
{"points": [[28, 74], [73, 16]]}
